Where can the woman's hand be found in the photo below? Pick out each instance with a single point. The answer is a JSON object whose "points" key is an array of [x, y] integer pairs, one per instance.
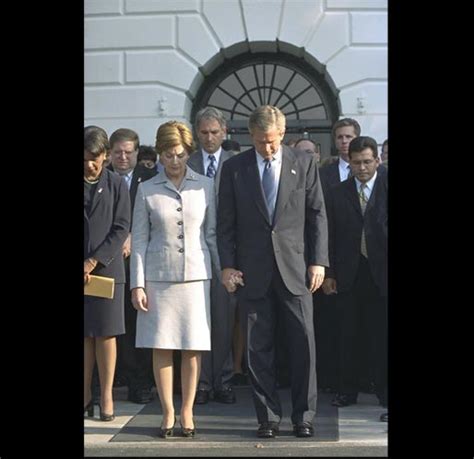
{"points": [[139, 299], [89, 266]]}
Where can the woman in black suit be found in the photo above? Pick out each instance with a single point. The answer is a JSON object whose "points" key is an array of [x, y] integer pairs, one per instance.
{"points": [[106, 226]]}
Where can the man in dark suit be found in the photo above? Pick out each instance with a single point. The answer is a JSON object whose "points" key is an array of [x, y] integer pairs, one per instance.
{"points": [[269, 197], [134, 365], [217, 364], [357, 213], [326, 314]]}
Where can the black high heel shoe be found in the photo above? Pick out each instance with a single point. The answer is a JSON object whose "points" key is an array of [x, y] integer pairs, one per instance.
{"points": [[89, 408], [188, 433], [168, 431], [106, 417]]}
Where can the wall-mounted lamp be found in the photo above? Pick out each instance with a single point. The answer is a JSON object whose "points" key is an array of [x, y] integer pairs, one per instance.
{"points": [[361, 107], [162, 106]]}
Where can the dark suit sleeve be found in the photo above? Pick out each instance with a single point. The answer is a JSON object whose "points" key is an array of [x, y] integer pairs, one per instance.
{"points": [[316, 221], [331, 232], [112, 245], [226, 219]]}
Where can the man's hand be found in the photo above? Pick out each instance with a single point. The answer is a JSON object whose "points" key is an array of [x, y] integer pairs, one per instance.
{"points": [[139, 299], [127, 246], [316, 277], [231, 278], [329, 286]]}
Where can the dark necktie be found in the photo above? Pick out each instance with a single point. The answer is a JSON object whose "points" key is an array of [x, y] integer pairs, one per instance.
{"points": [[211, 169], [269, 186], [363, 205], [349, 172]]}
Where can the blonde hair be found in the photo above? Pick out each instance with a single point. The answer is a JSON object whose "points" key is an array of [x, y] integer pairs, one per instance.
{"points": [[266, 117], [172, 134]]}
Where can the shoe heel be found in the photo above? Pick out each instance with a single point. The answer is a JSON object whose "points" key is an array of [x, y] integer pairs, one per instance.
{"points": [[89, 408], [167, 432], [188, 433], [106, 417]]}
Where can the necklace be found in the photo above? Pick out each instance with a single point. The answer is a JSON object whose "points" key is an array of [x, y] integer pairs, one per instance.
{"points": [[91, 182]]}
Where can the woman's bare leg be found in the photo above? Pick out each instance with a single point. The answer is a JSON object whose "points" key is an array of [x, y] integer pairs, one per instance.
{"points": [[106, 352], [163, 372], [89, 361], [190, 369]]}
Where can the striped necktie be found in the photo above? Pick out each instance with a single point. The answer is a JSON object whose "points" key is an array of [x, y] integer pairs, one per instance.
{"points": [[211, 169], [349, 172], [269, 186], [363, 205]]}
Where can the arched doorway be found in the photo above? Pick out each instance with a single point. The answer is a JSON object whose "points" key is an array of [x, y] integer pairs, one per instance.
{"points": [[301, 90]]}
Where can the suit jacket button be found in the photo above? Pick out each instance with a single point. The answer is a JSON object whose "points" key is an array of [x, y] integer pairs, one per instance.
{"points": [[181, 250], [179, 209], [180, 236], [180, 223]]}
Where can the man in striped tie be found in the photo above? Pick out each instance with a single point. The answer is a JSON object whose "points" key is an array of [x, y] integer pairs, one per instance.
{"points": [[217, 365]]}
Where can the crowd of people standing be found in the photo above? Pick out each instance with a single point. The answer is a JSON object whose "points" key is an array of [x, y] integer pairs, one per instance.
{"points": [[226, 259]]}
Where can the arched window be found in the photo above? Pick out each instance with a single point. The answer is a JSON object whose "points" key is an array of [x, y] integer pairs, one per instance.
{"points": [[249, 80]]}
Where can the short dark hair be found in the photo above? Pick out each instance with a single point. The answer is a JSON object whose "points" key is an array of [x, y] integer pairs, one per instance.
{"points": [[96, 140], [307, 140], [230, 145], [146, 152], [385, 142], [346, 122], [362, 142], [125, 135]]}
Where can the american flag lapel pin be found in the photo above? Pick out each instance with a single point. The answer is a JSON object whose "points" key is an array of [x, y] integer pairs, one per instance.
{"points": [[293, 171]]}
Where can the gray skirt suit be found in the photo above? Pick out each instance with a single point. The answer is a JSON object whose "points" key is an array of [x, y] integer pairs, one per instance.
{"points": [[173, 248]]}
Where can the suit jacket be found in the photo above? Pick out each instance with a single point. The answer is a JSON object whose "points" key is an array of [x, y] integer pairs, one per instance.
{"points": [[195, 162], [247, 240], [345, 232], [161, 216], [140, 174], [107, 226], [330, 175]]}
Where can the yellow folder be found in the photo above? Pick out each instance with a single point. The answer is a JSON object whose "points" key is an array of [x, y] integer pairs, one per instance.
{"points": [[100, 286]]}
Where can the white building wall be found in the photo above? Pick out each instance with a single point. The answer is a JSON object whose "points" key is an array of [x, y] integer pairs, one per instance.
{"points": [[143, 57]]}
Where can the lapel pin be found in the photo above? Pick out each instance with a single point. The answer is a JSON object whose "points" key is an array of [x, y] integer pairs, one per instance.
{"points": [[293, 171], [139, 179], [99, 190]]}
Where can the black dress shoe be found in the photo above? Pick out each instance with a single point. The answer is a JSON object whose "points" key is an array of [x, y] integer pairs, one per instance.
{"points": [[166, 432], [341, 400], [141, 395], [384, 417], [106, 417], [224, 395], [202, 397], [90, 409], [188, 433], [268, 430], [303, 429]]}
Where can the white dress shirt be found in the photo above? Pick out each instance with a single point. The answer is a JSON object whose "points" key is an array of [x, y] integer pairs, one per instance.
{"points": [[343, 169], [206, 160]]}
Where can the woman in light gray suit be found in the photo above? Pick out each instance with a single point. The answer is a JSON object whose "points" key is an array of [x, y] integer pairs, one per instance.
{"points": [[173, 246]]}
